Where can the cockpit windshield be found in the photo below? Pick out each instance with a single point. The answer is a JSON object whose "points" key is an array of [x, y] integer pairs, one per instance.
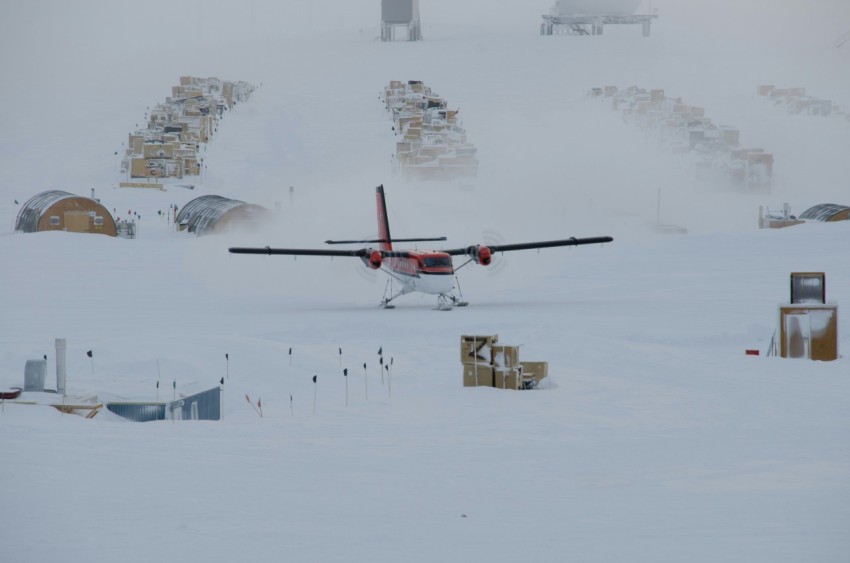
{"points": [[437, 262]]}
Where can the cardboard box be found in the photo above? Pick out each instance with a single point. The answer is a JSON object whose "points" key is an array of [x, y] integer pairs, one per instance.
{"points": [[477, 375], [508, 378], [537, 370], [505, 356], [476, 349]]}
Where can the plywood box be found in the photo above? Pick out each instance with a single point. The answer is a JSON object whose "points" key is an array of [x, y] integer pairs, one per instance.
{"points": [[476, 349], [505, 356], [158, 150], [765, 89], [507, 378], [808, 331], [731, 136], [539, 370], [477, 375]]}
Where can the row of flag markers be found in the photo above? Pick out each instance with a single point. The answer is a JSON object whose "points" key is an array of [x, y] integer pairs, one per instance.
{"points": [[258, 406]]}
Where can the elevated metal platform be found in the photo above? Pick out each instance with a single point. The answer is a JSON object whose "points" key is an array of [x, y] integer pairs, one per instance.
{"points": [[592, 24]]}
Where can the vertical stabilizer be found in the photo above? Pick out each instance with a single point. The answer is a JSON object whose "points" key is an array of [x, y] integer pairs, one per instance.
{"points": [[383, 222]]}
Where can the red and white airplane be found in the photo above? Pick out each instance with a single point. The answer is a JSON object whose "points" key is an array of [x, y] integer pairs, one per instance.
{"points": [[425, 271]]}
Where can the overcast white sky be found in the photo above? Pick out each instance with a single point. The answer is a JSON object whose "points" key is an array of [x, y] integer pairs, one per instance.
{"points": [[119, 25]]}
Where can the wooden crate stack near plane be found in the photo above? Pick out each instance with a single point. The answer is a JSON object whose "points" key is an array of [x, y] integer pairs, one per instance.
{"points": [[488, 364]]}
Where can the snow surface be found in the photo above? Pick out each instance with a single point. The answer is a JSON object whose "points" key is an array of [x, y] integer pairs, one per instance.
{"points": [[655, 438]]}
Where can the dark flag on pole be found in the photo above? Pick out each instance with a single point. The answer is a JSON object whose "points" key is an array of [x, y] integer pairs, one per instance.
{"points": [[381, 351], [314, 378], [157, 384], [222, 381], [345, 372], [89, 354]]}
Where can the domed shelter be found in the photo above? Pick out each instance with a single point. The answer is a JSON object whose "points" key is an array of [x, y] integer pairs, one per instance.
{"points": [[56, 210], [827, 212], [211, 214]]}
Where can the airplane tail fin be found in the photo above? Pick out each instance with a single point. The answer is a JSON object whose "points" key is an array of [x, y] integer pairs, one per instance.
{"points": [[383, 222]]}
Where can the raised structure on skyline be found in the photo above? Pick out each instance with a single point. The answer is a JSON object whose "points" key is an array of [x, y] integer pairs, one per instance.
{"points": [[397, 14], [588, 17]]}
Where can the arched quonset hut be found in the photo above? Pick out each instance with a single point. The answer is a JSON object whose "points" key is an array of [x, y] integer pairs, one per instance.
{"points": [[210, 214], [827, 212], [56, 210]]}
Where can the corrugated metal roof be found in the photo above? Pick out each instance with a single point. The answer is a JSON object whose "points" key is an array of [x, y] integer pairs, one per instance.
{"points": [[32, 209], [823, 212], [202, 213]]}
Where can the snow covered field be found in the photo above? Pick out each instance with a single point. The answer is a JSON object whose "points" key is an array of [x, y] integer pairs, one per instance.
{"points": [[655, 438]]}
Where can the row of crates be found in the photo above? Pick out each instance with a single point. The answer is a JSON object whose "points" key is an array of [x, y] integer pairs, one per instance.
{"points": [[685, 129], [488, 364], [169, 146], [432, 144]]}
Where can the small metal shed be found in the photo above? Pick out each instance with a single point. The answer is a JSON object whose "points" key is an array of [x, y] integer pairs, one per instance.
{"points": [[210, 214], [205, 405], [827, 212], [56, 210]]}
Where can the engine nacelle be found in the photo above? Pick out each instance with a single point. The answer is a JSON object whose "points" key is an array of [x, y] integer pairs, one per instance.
{"points": [[373, 259], [481, 255]]}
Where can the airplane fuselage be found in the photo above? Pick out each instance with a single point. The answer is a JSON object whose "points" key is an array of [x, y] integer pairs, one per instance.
{"points": [[426, 272]]}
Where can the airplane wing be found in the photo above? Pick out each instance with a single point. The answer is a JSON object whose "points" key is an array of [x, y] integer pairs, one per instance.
{"points": [[359, 253], [473, 250], [296, 251]]}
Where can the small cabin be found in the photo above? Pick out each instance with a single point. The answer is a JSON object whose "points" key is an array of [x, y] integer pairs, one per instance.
{"points": [[56, 210]]}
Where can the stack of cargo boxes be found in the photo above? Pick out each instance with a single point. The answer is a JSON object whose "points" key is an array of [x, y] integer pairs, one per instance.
{"points": [[168, 147], [685, 129], [487, 364], [433, 145], [796, 101]]}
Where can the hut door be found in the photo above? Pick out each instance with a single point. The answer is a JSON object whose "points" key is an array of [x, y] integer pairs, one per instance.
{"points": [[77, 221], [797, 334]]}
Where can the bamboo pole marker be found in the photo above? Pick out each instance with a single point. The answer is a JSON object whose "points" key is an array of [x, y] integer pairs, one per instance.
{"points": [[314, 393], [366, 380]]}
